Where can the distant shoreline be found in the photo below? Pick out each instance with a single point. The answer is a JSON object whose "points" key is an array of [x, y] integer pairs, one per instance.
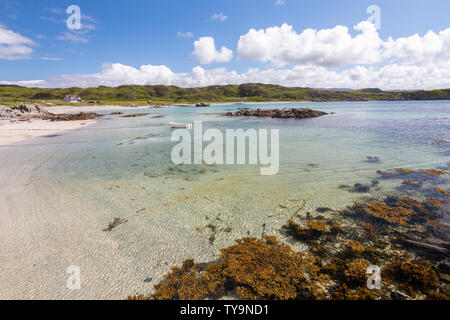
{"points": [[141, 95]]}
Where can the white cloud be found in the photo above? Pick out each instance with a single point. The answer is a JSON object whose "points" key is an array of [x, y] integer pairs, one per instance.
{"points": [[57, 10], [432, 48], [73, 36], [26, 83], [185, 35], [279, 2], [219, 16], [414, 62], [205, 51], [115, 74], [336, 47], [88, 22], [51, 59], [13, 45], [327, 47], [388, 77]]}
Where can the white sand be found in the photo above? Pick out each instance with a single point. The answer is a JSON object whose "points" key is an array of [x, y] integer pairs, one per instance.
{"points": [[17, 131], [77, 109], [13, 132]]}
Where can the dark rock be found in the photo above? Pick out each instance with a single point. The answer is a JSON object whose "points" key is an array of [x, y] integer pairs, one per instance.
{"points": [[444, 267], [286, 113], [323, 209], [135, 115], [358, 187], [71, 117], [24, 112], [373, 159]]}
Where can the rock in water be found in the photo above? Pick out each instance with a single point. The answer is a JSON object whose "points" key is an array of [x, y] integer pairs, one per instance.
{"points": [[286, 113], [72, 117]]}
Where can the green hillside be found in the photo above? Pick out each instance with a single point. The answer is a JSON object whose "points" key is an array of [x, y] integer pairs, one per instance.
{"points": [[224, 93]]}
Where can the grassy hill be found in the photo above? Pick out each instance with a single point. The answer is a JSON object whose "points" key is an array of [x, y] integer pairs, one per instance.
{"points": [[255, 92]]}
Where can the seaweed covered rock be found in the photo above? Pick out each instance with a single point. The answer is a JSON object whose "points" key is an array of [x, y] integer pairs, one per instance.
{"points": [[190, 282], [417, 176], [359, 293], [347, 274], [71, 117], [399, 210], [355, 271], [269, 269], [314, 229], [358, 187], [369, 229], [253, 269], [296, 113], [411, 276], [353, 248]]}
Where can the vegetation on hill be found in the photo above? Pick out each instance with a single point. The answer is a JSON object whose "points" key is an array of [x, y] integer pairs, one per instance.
{"points": [[224, 93]]}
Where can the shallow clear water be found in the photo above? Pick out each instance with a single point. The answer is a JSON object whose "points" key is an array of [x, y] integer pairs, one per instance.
{"points": [[121, 167]]}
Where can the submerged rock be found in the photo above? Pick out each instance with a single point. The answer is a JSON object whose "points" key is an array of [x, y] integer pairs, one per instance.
{"points": [[371, 159], [71, 117], [358, 187]]}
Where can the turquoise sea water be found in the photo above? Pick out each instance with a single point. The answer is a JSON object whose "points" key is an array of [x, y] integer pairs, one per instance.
{"points": [[121, 167]]}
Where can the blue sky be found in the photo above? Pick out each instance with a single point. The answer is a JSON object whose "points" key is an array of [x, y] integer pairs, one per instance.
{"points": [[146, 32]]}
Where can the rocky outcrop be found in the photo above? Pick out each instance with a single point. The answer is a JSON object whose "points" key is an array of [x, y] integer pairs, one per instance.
{"points": [[71, 117], [22, 111], [286, 113], [27, 112]]}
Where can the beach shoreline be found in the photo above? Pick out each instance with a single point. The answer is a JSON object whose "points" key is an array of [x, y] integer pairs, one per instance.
{"points": [[19, 131], [15, 131], [87, 109]]}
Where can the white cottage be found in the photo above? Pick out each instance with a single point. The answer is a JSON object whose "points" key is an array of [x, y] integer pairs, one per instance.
{"points": [[72, 99]]}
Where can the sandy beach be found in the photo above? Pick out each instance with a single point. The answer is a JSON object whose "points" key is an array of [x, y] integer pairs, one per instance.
{"points": [[14, 131], [77, 109], [59, 196]]}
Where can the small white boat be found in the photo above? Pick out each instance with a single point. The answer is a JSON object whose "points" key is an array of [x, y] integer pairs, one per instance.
{"points": [[181, 125]]}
